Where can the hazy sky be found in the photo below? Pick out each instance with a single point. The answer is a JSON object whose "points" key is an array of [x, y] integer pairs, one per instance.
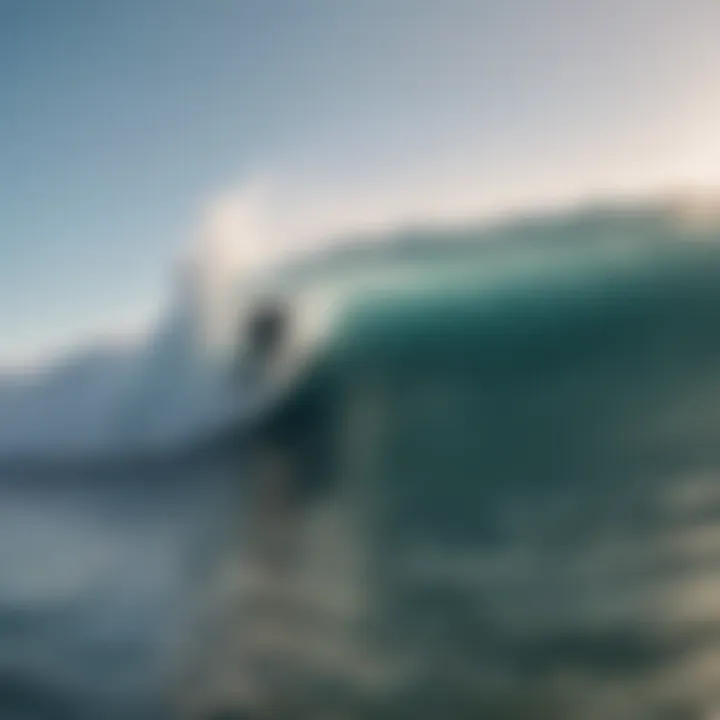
{"points": [[121, 121]]}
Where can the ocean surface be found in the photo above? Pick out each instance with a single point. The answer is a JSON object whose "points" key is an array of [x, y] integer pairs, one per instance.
{"points": [[588, 583], [99, 577]]}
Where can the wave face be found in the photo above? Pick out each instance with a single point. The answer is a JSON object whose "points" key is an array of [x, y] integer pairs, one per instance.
{"points": [[173, 386]]}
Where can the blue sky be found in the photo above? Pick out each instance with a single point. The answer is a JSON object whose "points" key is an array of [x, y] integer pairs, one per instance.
{"points": [[121, 119]]}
